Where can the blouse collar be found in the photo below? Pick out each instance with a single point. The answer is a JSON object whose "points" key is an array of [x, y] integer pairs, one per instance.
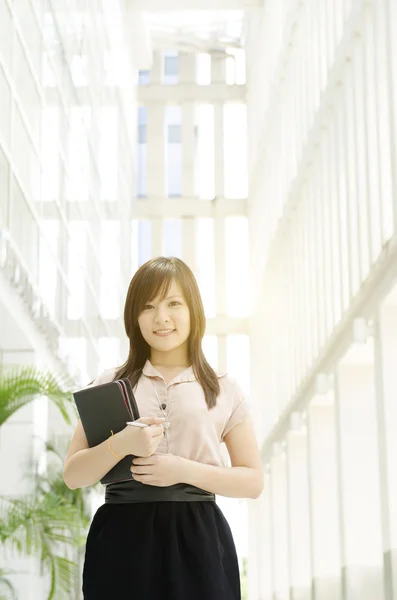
{"points": [[186, 375]]}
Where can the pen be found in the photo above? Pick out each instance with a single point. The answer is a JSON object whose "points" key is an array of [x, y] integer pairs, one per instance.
{"points": [[135, 424]]}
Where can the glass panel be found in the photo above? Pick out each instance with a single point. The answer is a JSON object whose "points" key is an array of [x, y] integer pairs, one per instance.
{"points": [[205, 149], [134, 246], [110, 266], [108, 152], [145, 241], [4, 189], [49, 156], [5, 109], [6, 32], [31, 33], [48, 270], [235, 149], [238, 360], [76, 280], [27, 92], [144, 77], [210, 349], [24, 230], [171, 68], [205, 274], [109, 353], [173, 238], [203, 69], [78, 188], [238, 293]]}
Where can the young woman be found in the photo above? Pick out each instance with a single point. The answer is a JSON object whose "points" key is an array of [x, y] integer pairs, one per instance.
{"points": [[161, 536]]}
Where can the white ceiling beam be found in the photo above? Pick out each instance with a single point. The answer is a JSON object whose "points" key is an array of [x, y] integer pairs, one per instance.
{"points": [[190, 92], [152, 207]]}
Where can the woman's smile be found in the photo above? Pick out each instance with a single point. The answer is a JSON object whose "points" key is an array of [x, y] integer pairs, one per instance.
{"points": [[164, 332]]}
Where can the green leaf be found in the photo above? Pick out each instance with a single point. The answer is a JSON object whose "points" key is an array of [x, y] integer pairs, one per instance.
{"points": [[20, 385]]}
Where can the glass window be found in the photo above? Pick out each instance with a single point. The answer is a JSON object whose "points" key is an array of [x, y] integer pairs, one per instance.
{"points": [[109, 353], [134, 246], [142, 170], [235, 151], [5, 111], [4, 188], [108, 152], [238, 360], [237, 267], [210, 349], [110, 267], [48, 270], [203, 68], [144, 77], [6, 32], [173, 119], [145, 241], [205, 152], [78, 158], [76, 278], [205, 274], [170, 68], [173, 238], [50, 154]]}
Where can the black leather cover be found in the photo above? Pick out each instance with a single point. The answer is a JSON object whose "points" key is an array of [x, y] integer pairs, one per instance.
{"points": [[135, 491], [103, 409]]}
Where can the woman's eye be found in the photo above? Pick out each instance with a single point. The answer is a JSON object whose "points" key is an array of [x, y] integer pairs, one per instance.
{"points": [[175, 302], [147, 306]]}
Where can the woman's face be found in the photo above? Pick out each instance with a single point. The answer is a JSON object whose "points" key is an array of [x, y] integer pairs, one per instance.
{"points": [[165, 325]]}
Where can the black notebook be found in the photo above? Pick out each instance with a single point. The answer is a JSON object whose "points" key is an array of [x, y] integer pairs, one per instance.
{"points": [[103, 409]]}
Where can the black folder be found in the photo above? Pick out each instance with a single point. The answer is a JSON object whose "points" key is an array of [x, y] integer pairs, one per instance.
{"points": [[105, 408]]}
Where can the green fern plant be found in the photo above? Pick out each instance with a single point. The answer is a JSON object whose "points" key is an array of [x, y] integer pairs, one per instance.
{"points": [[51, 522], [20, 385]]}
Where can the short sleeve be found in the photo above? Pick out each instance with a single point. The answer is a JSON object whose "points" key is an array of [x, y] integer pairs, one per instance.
{"points": [[240, 409]]}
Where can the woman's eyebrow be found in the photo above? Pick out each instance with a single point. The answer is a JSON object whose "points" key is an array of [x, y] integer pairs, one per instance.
{"points": [[176, 296]]}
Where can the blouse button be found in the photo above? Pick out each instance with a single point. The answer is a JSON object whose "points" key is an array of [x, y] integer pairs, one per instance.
{"points": [[163, 406]]}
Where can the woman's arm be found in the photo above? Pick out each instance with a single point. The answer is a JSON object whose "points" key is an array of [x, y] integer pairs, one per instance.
{"points": [[243, 480]]}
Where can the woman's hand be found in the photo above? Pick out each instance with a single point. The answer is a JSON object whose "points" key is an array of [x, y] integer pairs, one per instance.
{"points": [[160, 469], [142, 441]]}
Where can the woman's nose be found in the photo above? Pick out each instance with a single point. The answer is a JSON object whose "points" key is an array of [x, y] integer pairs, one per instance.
{"points": [[161, 315]]}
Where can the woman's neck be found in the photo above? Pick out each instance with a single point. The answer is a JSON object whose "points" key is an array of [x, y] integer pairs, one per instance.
{"points": [[170, 360]]}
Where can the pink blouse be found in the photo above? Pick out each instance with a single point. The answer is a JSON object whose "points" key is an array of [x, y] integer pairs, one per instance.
{"points": [[195, 432]]}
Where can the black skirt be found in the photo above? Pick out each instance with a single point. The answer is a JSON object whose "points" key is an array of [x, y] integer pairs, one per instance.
{"points": [[160, 551]]}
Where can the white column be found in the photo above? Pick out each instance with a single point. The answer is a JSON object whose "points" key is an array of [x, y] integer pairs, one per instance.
{"points": [[298, 511], [386, 384], [260, 549], [279, 500], [326, 563], [359, 475]]}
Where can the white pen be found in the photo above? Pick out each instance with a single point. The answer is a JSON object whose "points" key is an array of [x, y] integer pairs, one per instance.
{"points": [[135, 424]]}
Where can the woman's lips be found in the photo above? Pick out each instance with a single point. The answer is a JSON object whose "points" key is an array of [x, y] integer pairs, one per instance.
{"points": [[165, 334]]}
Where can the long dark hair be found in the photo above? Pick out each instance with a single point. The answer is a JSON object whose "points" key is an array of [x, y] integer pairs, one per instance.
{"points": [[153, 278]]}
